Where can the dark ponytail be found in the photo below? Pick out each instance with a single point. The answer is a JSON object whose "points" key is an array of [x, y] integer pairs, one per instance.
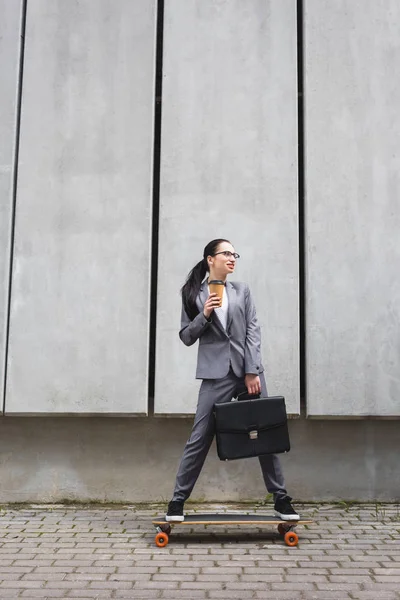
{"points": [[191, 288]]}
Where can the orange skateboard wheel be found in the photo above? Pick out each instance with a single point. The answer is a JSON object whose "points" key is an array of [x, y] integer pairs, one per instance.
{"points": [[161, 540], [291, 538]]}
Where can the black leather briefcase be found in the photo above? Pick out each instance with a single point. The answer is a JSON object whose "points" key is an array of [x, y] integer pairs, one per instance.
{"points": [[247, 428]]}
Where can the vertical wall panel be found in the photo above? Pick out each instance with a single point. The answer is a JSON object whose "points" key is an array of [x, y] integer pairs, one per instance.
{"points": [[229, 169], [352, 91], [80, 302], [10, 23]]}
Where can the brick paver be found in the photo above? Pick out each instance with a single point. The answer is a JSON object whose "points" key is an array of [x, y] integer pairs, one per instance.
{"points": [[349, 552]]}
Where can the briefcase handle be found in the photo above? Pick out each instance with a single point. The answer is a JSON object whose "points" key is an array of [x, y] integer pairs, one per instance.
{"points": [[246, 396]]}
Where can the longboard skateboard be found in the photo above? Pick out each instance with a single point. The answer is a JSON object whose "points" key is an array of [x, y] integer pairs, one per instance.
{"points": [[285, 528]]}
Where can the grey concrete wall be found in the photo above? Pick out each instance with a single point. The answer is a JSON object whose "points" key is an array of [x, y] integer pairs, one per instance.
{"points": [[352, 128], [229, 169], [10, 29], [80, 301], [127, 460]]}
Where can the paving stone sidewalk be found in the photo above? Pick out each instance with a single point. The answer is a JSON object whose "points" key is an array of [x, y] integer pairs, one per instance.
{"points": [[53, 551]]}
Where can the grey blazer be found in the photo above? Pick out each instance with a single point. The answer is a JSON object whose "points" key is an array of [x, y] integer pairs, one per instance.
{"points": [[239, 346]]}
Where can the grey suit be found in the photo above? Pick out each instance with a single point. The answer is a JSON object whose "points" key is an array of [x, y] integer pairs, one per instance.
{"points": [[239, 347], [224, 357]]}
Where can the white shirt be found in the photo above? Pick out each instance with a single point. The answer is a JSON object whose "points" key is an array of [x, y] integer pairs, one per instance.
{"points": [[222, 311]]}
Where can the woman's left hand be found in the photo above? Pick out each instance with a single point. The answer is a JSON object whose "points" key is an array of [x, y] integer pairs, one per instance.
{"points": [[253, 383]]}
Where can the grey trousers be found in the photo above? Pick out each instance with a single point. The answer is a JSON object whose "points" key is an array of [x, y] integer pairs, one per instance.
{"points": [[211, 392]]}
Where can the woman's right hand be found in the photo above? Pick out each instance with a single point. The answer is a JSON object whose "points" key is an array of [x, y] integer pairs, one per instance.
{"points": [[211, 303]]}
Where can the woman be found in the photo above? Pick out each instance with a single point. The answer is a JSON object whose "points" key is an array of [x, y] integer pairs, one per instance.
{"points": [[228, 362]]}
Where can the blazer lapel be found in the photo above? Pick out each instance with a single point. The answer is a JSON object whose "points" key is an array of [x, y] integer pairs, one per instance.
{"points": [[232, 301], [202, 295]]}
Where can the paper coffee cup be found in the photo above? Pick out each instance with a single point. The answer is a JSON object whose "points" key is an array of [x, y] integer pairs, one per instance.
{"points": [[217, 287]]}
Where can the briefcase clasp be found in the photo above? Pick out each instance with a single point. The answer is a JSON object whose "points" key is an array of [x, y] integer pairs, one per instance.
{"points": [[253, 435]]}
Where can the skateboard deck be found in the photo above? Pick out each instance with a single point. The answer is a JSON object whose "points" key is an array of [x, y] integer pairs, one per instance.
{"points": [[285, 528]]}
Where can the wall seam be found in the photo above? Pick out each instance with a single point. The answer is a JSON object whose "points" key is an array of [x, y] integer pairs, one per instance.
{"points": [[156, 204], [301, 207], [14, 195]]}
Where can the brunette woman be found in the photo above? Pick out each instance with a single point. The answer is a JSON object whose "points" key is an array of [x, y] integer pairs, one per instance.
{"points": [[228, 362]]}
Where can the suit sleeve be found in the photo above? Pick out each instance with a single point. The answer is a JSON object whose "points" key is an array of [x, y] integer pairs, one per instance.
{"points": [[191, 330], [252, 351]]}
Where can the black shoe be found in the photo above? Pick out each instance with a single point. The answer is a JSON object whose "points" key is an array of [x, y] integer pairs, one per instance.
{"points": [[175, 511], [285, 510]]}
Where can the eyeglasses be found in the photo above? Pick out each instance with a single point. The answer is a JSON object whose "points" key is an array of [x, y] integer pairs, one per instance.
{"points": [[228, 254]]}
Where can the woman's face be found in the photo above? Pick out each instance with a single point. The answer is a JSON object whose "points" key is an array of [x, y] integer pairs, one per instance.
{"points": [[221, 264]]}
